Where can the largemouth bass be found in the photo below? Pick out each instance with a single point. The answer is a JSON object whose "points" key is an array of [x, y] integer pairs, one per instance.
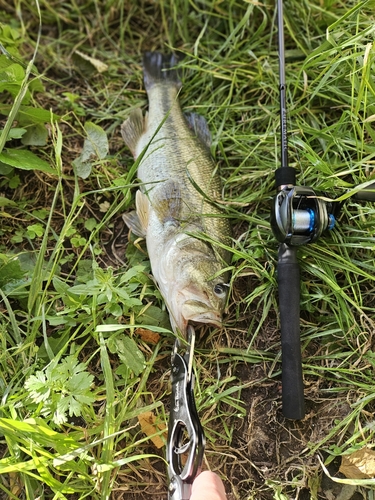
{"points": [[175, 207]]}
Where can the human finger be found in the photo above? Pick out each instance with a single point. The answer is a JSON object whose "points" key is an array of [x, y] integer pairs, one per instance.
{"points": [[208, 486]]}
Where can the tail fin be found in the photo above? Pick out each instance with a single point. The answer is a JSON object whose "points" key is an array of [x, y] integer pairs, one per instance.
{"points": [[159, 68]]}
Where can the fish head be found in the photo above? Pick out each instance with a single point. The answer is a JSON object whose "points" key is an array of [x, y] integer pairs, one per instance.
{"points": [[198, 292]]}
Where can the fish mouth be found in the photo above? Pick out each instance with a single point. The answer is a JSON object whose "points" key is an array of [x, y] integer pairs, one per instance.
{"points": [[188, 308], [197, 312]]}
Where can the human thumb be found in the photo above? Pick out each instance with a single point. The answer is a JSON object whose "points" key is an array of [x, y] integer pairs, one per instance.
{"points": [[208, 486]]}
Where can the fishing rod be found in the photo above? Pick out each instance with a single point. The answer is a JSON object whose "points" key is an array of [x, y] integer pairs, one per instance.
{"points": [[298, 217]]}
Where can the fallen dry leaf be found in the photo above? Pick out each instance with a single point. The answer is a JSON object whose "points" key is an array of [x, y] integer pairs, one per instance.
{"points": [[359, 464], [149, 426], [98, 65], [15, 484], [148, 336]]}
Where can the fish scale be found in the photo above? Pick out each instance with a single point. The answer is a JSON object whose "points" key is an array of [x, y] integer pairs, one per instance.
{"points": [[180, 152]]}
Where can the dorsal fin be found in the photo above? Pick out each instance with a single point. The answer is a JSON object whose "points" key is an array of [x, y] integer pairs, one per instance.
{"points": [[198, 124]]}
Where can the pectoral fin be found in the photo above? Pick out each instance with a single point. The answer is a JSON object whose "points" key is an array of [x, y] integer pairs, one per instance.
{"points": [[132, 129], [167, 203]]}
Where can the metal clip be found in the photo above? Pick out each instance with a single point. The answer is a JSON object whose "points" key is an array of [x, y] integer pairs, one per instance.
{"points": [[186, 439]]}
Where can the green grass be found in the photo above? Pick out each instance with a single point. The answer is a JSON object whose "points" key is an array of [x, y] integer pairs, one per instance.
{"points": [[75, 370]]}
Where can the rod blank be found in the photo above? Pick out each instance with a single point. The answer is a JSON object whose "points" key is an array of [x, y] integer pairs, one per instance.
{"points": [[282, 88]]}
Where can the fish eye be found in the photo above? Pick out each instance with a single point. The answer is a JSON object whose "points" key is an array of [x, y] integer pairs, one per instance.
{"points": [[220, 289]]}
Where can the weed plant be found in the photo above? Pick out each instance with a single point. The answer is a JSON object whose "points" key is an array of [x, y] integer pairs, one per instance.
{"points": [[85, 337]]}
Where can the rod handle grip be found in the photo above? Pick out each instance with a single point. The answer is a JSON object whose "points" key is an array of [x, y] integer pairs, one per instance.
{"points": [[288, 276], [366, 194]]}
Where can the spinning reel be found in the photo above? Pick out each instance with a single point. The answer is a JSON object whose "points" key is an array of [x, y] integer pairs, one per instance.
{"points": [[299, 216]]}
